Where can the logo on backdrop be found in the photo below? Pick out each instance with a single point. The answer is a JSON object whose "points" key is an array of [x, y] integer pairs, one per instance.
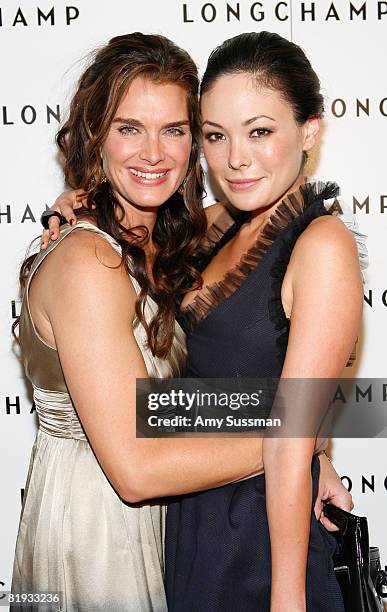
{"points": [[363, 483], [366, 391], [363, 205], [30, 213], [376, 298], [339, 108], [30, 115], [15, 308], [24, 213], [303, 12], [25, 16], [12, 406], [372, 298], [358, 107], [379, 204]]}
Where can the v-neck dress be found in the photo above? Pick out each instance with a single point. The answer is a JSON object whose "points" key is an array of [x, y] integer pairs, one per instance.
{"points": [[217, 541]]}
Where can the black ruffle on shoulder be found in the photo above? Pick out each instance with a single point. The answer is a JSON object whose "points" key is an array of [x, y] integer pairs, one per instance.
{"points": [[293, 208], [227, 224], [312, 193]]}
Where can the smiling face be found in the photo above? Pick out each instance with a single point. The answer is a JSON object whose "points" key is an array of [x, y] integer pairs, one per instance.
{"points": [[252, 143], [146, 153]]}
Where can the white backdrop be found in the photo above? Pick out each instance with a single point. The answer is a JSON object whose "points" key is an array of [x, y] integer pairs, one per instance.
{"points": [[42, 46]]}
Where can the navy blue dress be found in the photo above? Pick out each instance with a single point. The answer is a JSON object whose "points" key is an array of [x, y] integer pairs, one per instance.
{"points": [[217, 541]]}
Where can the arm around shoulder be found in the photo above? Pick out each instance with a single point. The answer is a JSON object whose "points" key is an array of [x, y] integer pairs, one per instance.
{"points": [[91, 316]]}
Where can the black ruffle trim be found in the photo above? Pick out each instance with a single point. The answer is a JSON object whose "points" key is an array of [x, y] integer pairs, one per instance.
{"points": [[293, 208], [312, 193]]}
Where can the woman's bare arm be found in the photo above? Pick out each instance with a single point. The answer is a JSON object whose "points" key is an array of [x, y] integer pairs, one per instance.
{"points": [[89, 305], [325, 316]]}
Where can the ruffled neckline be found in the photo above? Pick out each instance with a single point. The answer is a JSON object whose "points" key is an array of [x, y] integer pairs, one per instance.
{"points": [[224, 229]]}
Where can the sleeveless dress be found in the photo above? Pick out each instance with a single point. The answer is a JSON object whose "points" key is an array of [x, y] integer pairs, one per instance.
{"points": [[76, 536], [217, 542]]}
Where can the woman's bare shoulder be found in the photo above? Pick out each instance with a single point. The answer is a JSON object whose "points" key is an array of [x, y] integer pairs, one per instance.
{"points": [[84, 247], [326, 233], [323, 255], [83, 262]]}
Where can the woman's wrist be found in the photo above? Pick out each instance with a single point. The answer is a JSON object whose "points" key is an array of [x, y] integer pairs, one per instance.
{"points": [[288, 593], [284, 603]]}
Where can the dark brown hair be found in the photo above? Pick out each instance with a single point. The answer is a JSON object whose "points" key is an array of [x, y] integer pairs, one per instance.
{"points": [[276, 63], [180, 223]]}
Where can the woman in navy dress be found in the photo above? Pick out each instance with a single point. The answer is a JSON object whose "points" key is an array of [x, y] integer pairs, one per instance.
{"points": [[281, 297]]}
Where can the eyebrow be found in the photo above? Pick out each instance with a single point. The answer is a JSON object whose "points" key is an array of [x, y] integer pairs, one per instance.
{"points": [[136, 123], [244, 123]]}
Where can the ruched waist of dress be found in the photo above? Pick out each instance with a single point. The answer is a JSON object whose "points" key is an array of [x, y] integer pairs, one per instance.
{"points": [[57, 415]]}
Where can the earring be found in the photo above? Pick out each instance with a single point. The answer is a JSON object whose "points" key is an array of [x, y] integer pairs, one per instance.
{"points": [[103, 175], [182, 187], [99, 179]]}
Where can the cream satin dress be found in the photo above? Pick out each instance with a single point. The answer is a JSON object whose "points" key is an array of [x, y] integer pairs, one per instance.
{"points": [[76, 536]]}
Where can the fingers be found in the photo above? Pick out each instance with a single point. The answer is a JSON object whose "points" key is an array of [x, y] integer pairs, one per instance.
{"points": [[67, 211], [65, 204], [318, 508], [319, 512], [343, 501], [53, 224], [351, 504], [45, 239], [69, 201], [80, 198], [327, 524]]}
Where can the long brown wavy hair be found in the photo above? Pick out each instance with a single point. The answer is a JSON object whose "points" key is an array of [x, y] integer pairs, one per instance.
{"points": [[180, 224]]}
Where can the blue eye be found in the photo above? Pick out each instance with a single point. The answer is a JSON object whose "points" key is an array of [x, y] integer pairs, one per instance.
{"points": [[175, 131], [127, 129]]}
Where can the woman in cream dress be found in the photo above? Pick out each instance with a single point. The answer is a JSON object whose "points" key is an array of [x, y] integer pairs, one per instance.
{"points": [[97, 313], [76, 536]]}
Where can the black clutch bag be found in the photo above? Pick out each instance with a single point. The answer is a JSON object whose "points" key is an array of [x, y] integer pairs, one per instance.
{"points": [[357, 566]]}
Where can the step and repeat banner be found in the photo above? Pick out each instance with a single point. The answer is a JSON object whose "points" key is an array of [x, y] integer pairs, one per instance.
{"points": [[43, 46]]}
